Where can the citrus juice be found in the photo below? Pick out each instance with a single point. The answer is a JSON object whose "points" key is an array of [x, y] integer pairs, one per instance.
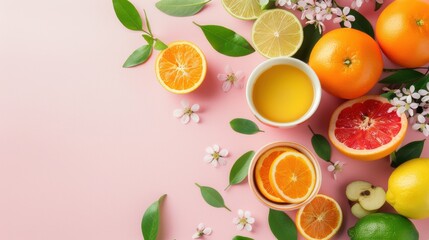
{"points": [[283, 93]]}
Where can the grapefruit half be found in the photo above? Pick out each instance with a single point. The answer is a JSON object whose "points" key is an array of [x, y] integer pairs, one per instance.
{"points": [[363, 129]]}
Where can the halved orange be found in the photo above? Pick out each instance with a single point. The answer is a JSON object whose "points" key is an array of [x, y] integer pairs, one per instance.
{"points": [[262, 170], [181, 67], [364, 129], [292, 177], [320, 219]]}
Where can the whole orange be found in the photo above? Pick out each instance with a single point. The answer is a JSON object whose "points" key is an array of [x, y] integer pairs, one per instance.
{"points": [[403, 32], [348, 62]]}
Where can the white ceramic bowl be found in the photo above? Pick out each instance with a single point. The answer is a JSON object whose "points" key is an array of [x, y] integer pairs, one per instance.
{"points": [[284, 206], [317, 94]]}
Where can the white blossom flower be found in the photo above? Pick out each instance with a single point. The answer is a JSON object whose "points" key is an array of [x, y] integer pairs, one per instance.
{"points": [[356, 4], [421, 125], [402, 106], [202, 230], [410, 93], [343, 16], [317, 20], [231, 78], [186, 113], [244, 220], [425, 93], [397, 92], [215, 155], [335, 168]]}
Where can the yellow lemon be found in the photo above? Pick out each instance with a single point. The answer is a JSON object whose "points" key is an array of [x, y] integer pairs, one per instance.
{"points": [[408, 188]]}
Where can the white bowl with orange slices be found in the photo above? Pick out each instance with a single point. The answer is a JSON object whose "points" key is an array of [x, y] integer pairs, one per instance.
{"points": [[284, 176]]}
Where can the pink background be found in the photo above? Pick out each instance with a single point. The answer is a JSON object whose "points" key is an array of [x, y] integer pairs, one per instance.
{"points": [[86, 145]]}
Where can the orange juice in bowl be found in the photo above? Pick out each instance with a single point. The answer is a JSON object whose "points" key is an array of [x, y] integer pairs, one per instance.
{"points": [[284, 175], [283, 92]]}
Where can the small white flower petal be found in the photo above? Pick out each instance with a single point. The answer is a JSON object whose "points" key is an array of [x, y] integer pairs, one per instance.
{"points": [[222, 161], [236, 220], [209, 150], [184, 103], [240, 226], [347, 24], [248, 227], [195, 107], [421, 118], [185, 119], [415, 95], [207, 231], [214, 163], [216, 148], [223, 153], [228, 70], [247, 214], [222, 77], [331, 168], [226, 86], [196, 235], [195, 117], [178, 113], [201, 227], [208, 158], [351, 18], [251, 220], [423, 92], [337, 20], [240, 213], [346, 10], [416, 126]]}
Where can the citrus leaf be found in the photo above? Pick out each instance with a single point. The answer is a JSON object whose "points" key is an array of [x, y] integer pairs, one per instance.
{"points": [[321, 146], [402, 76], [388, 95], [148, 39], [421, 83], [151, 219], [244, 126], [311, 36], [127, 14], [377, 6], [410, 151], [159, 45], [241, 238], [226, 41], [361, 23], [139, 56], [212, 197], [281, 225], [147, 22], [240, 168], [181, 8]]}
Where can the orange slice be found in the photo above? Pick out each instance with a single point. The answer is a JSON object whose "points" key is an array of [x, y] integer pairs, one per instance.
{"points": [[292, 176], [262, 171], [364, 129], [181, 67], [319, 219]]}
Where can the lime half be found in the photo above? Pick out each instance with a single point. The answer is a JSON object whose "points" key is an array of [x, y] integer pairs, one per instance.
{"points": [[243, 9], [277, 33]]}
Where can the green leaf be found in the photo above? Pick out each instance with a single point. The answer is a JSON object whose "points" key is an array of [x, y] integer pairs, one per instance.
{"points": [[281, 225], [159, 45], [240, 168], [148, 39], [410, 151], [402, 76], [377, 6], [244, 126], [311, 36], [147, 23], [421, 83], [226, 41], [388, 95], [127, 14], [321, 146], [361, 23], [212, 197], [181, 8], [151, 219], [241, 238], [139, 56]]}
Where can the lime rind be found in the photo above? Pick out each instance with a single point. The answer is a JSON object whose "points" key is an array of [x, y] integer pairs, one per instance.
{"points": [[243, 9]]}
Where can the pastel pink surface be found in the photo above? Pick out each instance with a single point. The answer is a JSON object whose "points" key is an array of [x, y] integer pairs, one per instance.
{"points": [[86, 145]]}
